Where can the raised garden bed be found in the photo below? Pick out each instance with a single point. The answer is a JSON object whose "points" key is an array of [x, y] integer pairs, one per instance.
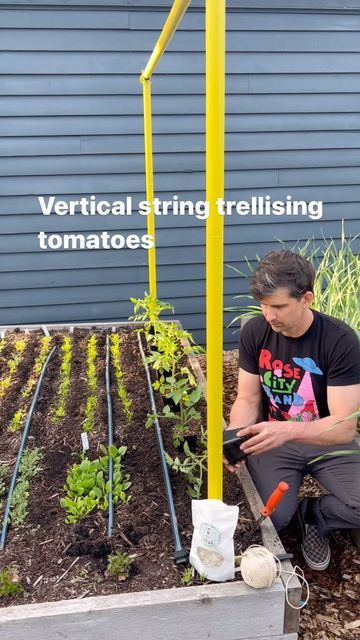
{"points": [[62, 567]]}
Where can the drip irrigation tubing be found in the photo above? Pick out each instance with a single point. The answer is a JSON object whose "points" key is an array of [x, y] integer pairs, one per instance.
{"points": [[110, 439], [181, 554], [24, 437]]}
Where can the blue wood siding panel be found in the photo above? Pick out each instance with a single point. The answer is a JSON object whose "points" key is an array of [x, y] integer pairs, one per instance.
{"points": [[71, 125]]}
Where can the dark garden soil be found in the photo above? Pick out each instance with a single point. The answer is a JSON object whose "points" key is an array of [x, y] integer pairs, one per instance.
{"points": [[57, 561], [333, 610]]}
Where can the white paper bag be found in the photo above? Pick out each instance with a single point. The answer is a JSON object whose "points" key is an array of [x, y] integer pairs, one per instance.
{"points": [[212, 545]]}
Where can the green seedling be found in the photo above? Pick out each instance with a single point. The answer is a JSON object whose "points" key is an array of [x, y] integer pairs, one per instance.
{"points": [[119, 376], [29, 468], [19, 416], [19, 504], [92, 401], [10, 583], [12, 365], [2, 344], [91, 363], [87, 487], [90, 412], [3, 473], [119, 565], [187, 577], [16, 421], [65, 378], [38, 365]]}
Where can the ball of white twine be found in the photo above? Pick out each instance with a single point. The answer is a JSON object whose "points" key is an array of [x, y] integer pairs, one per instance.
{"points": [[258, 567]]}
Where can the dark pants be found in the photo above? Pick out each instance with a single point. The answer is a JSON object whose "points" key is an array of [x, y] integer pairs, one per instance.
{"points": [[340, 475]]}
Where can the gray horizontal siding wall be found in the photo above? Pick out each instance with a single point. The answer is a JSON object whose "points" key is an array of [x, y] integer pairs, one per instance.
{"points": [[71, 125]]}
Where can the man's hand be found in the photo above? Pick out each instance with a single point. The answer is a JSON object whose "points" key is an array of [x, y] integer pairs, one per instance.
{"points": [[232, 467], [265, 436]]}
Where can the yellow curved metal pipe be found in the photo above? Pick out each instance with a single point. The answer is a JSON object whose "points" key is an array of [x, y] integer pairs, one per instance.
{"points": [[174, 18], [176, 14], [215, 148]]}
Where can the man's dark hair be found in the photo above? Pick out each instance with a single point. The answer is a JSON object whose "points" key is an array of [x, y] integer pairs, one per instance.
{"points": [[282, 268]]}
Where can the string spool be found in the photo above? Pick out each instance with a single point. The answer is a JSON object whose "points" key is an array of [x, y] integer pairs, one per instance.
{"points": [[258, 567]]}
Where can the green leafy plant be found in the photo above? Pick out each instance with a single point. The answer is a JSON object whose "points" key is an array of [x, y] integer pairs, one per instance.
{"points": [[119, 376], [65, 379], [175, 382], [10, 583], [186, 398], [29, 468], [119, 565], [88, 488], [337, 281], [193, 467], [147, 310]]}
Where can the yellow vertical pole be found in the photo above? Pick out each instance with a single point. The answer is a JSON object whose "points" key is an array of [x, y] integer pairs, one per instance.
{"points": [[215, 133], [146, 83]]}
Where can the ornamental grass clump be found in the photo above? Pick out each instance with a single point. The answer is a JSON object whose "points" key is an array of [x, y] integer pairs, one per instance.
{"points": [[65, 378], [337, 281], [122, 393]]}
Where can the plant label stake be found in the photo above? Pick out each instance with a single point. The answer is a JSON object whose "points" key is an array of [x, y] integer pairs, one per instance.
{"points": [[84, 441]]}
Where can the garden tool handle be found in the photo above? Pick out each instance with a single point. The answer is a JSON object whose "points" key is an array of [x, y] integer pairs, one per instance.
{"points": [[275, 499]]}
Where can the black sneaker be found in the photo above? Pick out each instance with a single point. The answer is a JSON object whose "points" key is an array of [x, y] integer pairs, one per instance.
{"points": [[315, 548]]}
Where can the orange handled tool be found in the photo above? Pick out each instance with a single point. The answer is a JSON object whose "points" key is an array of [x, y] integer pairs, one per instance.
{"points": [[274, 500]]}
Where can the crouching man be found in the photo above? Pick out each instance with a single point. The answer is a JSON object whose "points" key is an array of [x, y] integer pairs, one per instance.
{"points": [[299, 374]]}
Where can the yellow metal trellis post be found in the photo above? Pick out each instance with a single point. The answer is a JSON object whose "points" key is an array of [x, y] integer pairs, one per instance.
{"points": [[215, 132], [178, 9]]}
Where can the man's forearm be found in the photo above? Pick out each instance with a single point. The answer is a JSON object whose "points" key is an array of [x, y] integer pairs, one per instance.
{"points": [[244, 412], [319, 432]]}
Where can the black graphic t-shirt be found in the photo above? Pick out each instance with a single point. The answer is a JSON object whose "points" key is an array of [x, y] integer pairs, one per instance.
{"points": [[295, 372]]}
